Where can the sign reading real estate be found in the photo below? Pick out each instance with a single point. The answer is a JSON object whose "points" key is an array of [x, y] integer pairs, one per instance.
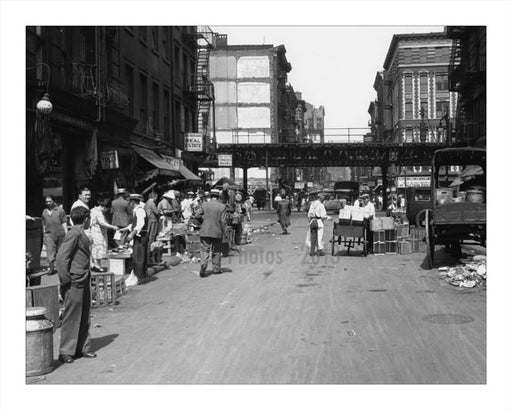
{"points": [[416, 181], [174, 163], [193, 142], [225, 160], [109, 160]]}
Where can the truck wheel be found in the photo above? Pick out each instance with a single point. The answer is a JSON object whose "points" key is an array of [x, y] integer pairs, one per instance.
{"points": [[420, 218]]}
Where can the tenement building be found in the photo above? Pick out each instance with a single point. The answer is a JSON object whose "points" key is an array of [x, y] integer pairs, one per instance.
{"points": [[124, 100], [417, 104], [253, 101]]}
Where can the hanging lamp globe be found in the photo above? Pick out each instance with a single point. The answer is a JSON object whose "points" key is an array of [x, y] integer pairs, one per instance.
{"points": [[45, 106]]}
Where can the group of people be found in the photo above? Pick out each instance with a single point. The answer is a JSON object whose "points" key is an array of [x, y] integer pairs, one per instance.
{"points": [[76, 249]]}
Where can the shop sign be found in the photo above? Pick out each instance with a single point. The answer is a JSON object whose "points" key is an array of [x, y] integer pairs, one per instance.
{"points": [[299, 185], [109, 160], [416, 181], [225, 160], [174, 163], [193, 142]]}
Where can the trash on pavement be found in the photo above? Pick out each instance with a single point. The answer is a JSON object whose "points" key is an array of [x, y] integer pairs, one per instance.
{"points": [[132, 280], [471, 273], [97, 325]]}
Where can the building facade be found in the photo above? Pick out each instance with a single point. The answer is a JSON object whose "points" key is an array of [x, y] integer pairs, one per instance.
{"points": [[115, 91], [253, 101], [413, 95], [467, 77]]}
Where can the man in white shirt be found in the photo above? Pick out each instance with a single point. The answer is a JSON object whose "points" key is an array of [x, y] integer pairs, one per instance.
{"points": [[369, 210], [84, 196], [139, 233], [316, 215]]}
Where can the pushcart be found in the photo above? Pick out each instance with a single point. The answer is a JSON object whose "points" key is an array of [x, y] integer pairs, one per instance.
{"points": [[349, 233]]}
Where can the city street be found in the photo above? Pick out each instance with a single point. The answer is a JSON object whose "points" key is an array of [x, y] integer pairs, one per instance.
{"points": [[282, 317]]}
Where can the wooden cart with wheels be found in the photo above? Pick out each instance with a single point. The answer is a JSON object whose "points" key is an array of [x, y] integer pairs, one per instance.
{"points": [[457, 212], [349, 233]]}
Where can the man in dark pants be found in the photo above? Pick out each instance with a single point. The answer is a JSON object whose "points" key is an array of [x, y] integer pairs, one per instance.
{"points": [[139, 233], [121, 211], [73, 269], [54, 229], [212, 231]]}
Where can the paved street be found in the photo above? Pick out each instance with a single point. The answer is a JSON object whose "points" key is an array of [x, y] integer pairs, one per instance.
{"points": [[281, 316]]}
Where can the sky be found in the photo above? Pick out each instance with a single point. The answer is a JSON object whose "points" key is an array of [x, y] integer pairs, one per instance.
{"points": [[333, 66]]}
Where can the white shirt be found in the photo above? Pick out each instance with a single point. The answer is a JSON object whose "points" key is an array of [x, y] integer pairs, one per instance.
{"points": [[79, 202], [356, 203], [140, 213], [369, 208], [317, 209]]}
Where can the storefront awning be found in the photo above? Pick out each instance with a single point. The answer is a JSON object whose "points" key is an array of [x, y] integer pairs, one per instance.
{"points": [[166, 166]]}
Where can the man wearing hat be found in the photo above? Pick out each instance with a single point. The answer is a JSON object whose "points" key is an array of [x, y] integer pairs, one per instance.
{"points": [[212, 231], [369, 210], [139, 233], [167, 207], [316, 216], [121, 210]]}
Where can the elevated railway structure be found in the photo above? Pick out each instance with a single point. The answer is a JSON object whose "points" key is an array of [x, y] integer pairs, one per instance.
{"points": [[349, 154]]}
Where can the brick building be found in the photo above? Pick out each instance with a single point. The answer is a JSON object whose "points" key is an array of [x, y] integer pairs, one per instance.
{"points": [[123, 99], [253, 101], [413, 96]]}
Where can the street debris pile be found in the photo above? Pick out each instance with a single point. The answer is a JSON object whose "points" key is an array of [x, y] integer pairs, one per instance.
{"points": [[471, 273], [186, 257]]}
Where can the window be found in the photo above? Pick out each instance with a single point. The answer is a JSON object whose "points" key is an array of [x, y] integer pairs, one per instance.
{"points": [[186, 76], [165, 42], [442, 82], [128, 79], [156, 106], [187, 120], [408, 135], [408, 83], [154, 38], [143, 111], [442, 108], [424, 108], [177, 67], [423, 86], [167, 109], [408, 110], [143, 34]]}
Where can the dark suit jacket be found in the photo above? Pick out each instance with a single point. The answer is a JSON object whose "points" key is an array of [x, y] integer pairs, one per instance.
{"points": [[73, 257], [214, 219], [121, 211]]}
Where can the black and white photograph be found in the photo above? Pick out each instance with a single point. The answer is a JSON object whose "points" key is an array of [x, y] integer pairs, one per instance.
{"points": [[254, 211]]}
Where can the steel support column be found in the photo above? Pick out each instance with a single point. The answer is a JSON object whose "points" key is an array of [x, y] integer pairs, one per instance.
{"points": [[384, 171], [244, 183]]}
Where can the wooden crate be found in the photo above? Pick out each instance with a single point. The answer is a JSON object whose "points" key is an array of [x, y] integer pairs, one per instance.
{"points": [[404, 248], [194, 244], [376, 224], [388, 223], [391, 247], [103, 289]]}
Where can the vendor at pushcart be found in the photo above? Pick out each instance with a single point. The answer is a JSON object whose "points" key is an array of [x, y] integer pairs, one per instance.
{"points": [[369, 210], [168, 207], [139, 233]]}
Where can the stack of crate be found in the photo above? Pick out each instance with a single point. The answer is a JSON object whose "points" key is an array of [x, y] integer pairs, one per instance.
{"points": [[417, 239], [384, 236], [403, 238]]}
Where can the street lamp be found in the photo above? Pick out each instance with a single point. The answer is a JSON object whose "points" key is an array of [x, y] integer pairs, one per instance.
{"points": [[44, 106]]}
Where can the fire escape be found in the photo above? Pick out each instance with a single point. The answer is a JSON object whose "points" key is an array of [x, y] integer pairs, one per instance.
{"points": [[455, 79], [467, 78], [201, 88]]}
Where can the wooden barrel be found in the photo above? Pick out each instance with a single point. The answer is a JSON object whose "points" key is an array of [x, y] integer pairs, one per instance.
{"points": [[39, 342], [475, 195]]}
